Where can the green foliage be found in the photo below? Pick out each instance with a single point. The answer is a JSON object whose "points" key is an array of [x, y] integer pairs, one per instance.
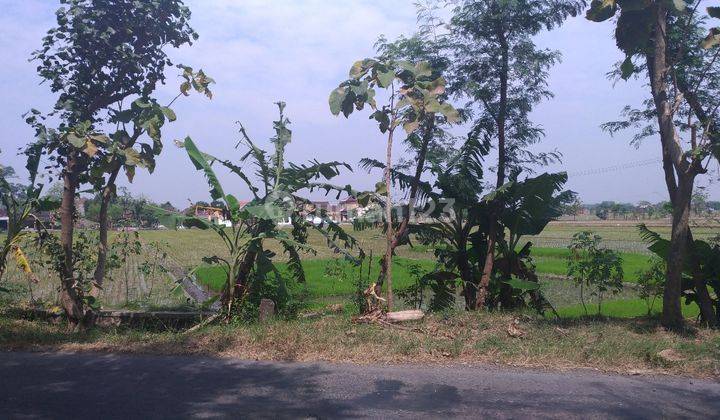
{"points": [[92, 66], [651, 282], [499, 69], [439, 285], [20, 204], [703, 262], [590, 265], [416, 85], [250, 270]]}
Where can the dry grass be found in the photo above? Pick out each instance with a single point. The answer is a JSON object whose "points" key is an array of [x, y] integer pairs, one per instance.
{"points": [[622, 346]]}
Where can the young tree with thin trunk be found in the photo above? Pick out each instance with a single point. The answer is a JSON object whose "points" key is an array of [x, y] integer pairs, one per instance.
{"points": [[429, 138], [503, 75], [663, 41], [413, 90], [100, 53], [146, 117]]}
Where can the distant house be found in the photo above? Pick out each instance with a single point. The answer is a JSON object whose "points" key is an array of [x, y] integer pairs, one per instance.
{"points": [[348, 209], [214, 215]]}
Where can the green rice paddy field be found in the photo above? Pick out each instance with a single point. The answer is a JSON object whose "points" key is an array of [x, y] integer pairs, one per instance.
{"points": [[186, 248]]}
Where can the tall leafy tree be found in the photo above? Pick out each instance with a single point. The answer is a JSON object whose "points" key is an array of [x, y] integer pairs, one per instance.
{"points": [[100, 53], [503, 75], [665, 42]]}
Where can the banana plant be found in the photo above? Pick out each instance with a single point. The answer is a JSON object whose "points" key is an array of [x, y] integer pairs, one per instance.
{"points": [[459, 214], [527, 208], [460, 227], [701, 271], [275, 186], [21, 204]]}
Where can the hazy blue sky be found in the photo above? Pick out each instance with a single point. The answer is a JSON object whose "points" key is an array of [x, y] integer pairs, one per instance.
{"points": [[261, 51]]}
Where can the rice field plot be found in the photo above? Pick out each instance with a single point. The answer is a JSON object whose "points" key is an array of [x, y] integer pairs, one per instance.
{"points": [[131, 285]]}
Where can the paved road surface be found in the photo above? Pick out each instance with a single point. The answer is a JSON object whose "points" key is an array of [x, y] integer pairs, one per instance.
{"points": [[49, 385]]}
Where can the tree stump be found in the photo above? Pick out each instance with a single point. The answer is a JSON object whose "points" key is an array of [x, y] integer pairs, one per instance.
{"points": [[267, 310]]}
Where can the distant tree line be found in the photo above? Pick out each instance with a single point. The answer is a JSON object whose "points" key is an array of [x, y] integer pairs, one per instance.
{"points": [[642, 210]]}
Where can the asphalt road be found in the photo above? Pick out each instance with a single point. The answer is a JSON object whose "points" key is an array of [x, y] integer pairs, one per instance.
{"points": [[50, 385]]}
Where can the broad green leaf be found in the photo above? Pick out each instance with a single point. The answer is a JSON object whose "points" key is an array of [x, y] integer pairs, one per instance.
{"points": [[601, 10], [130, 173], [451, 114], [381, 188], [348, 104], [169, 113], [357, 69], [100, 138], [336, 100], [185, 88], [363, 198], [76, 141], [195, 222], [627, 68], [385, 77], [411, 126], [132, 157], [406, 65], [232, 203], [433, 106], [437, 87], [48, 204], [383, 120], [423, 69], [198, 159], [267, 211], [140, 103]]}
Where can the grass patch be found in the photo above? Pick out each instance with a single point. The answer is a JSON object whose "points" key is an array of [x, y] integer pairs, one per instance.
{"points": [[607, 344], [623, 308], [554, 261], [322, 284]]}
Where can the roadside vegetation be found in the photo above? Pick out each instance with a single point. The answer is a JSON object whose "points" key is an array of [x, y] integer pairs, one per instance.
{"points": [[462, 234]]}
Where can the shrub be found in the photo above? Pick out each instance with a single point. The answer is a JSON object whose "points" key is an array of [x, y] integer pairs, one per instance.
{"points": [[590, 265], [651, 282]]}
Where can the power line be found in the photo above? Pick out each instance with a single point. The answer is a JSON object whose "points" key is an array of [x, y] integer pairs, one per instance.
{"points": [[615, 168]]}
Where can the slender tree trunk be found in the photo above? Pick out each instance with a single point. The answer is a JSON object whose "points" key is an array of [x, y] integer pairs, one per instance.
{"points": [[672, 309], [469, 291], [107, 195], [502, 161], [401, 231], [707, 310], [470, 283], [70, 300], [389, 234]]}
